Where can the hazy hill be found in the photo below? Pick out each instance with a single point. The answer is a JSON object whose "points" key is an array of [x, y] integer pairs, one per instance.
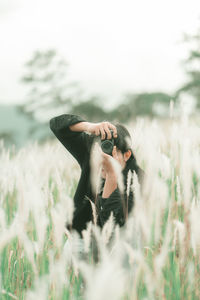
{"points": [[17, 128]]}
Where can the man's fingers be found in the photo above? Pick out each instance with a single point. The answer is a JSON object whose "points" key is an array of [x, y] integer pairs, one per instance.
{"points": [[107, 126], [111, 126], [103, 135], [104, 128], [108, 132]]}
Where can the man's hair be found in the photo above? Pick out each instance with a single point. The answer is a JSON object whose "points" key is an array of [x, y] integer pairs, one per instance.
{"points": [[123, 141]]}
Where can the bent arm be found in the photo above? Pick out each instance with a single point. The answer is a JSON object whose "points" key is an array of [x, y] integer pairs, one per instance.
{"points": [[69, 129]]}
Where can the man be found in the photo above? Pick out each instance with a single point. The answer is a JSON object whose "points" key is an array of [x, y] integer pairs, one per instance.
{"points": [[77, 136]]}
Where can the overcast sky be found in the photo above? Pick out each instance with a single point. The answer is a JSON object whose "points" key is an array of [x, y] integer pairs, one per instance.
{"points": [[112, 46]]}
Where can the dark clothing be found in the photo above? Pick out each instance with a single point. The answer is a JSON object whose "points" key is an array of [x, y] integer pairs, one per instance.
{"points": [[79, 145]]}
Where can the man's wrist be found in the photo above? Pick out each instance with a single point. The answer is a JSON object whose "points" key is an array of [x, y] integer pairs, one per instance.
{"points": [[80, 126]]}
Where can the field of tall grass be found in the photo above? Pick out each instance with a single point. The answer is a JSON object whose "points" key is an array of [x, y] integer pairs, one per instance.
{"points": [[156, 255]]}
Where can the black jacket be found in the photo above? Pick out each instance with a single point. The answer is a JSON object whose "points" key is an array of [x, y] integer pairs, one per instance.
{"points": [[79, 145]]}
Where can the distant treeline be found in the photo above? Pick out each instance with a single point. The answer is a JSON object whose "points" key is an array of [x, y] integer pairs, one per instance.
{"points": [[144, 104]]}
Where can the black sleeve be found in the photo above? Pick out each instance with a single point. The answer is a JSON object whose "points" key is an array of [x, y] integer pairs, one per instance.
{"points": [[74, 142], [115, 203]]}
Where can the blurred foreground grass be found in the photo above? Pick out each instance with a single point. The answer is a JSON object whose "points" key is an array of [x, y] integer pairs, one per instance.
{"points": [[156, 255]]}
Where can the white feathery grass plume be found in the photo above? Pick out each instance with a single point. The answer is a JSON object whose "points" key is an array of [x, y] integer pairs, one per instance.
{"points": [[7, 171], [68, 205], [2, 219], [40, 290], [135, 186], [159, 203], [165, 167], [58, 214], [7, 234], [108, 227], [195, 227], [24, 205], [72, 249], [179, 234], [142, 212], [97, 238], [67, 249], [99, 284], [117, 253], [33, 200], [135, 256], [132, 232], [160, 259], [116, 240], [137, 135], [95, 165], [129, 182], [58, 278], [57, 178], [68, 233], [38, 208], [152, 202], [185, 171], [174, 141], [129, 227], [139, 265], [128, 139], [191, 274], [74, 246], [179, 197], [42, 222], [87, 237], [117, 232], [29, 248], [94, 213], [50, 194]]}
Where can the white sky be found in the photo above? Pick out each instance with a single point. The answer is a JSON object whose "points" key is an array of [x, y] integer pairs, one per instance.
{"points": [[112, 46]]}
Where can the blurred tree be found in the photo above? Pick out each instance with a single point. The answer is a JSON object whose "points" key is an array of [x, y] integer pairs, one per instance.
{"points": [[7, 137], [48, 85], [90, 109], [121, 113], [192, 68], [143, 104]]}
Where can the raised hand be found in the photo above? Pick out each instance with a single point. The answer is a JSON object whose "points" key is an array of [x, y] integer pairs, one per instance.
{"points": [[103, 129]]}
